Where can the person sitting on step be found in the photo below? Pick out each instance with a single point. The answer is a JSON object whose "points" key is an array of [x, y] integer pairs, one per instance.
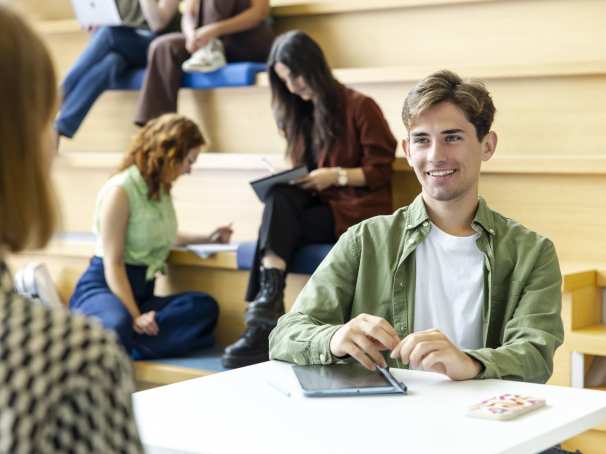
{"points": [[446, 284], [343, 138], [136, 226], [213, 32], [110, 53]]}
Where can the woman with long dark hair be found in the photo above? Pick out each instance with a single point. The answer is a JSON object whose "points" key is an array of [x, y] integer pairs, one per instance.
{"points": [[343, 138]]}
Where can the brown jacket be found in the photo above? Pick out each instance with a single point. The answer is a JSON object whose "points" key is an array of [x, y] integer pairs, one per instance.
{"points": [[366, 142]]}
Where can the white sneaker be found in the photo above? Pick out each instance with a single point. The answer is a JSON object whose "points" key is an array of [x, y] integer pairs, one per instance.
{"points": [[35, 283], [207, 59]]}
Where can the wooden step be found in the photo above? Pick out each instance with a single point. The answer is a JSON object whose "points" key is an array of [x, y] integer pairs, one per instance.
{"points": [[590, 340], [216, 275], [494, 32], [521, 32], [283, 8], [216, 193], [38, 10], [529, 103], [539, 192], [590, 442], [171, 370]]}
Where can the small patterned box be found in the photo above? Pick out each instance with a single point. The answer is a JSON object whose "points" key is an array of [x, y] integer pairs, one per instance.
{"points": [[505, 406]]}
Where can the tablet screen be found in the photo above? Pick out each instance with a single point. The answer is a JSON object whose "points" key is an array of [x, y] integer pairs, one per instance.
{"points": [[342, 379]]}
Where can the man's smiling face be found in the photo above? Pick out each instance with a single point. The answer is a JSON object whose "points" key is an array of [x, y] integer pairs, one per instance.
{"points": [[445, 153]]}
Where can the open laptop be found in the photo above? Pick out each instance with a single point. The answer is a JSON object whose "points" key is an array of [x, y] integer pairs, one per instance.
{"points": [[91, 13]]}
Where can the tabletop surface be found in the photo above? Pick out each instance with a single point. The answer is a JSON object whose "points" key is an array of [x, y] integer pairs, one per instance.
{"points": [[261, 409]]}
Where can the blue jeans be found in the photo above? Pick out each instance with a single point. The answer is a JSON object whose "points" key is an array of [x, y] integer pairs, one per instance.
{"points": [[185, 320], [111, 51]]}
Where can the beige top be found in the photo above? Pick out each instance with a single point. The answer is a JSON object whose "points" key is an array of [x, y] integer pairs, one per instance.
{"points": [[131, 13]]}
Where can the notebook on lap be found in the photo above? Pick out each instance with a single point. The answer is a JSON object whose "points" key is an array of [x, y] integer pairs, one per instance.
{"points": [[262, 186]]}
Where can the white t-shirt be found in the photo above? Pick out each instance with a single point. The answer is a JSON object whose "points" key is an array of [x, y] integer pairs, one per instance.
{"points": [[449, 290]]}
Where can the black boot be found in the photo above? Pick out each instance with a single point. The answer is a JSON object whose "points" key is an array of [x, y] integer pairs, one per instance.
{"points": [[268, 305], [261, 317]]}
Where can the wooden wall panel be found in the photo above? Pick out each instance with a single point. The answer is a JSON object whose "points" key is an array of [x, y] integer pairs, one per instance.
{"points": [[203, 200], [567, 209], [551, 117], [502, 32]]}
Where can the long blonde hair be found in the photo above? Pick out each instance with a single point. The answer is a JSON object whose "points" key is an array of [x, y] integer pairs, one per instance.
{"points": [[29, 98]]}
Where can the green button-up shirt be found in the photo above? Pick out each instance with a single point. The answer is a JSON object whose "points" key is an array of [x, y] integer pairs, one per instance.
{"points": [[371, 270]]}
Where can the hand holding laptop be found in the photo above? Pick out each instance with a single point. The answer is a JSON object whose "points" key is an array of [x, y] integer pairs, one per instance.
{"points": [[318, 179]]}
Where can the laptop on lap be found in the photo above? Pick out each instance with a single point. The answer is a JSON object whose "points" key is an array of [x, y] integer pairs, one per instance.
{"points": [[94, 13]]}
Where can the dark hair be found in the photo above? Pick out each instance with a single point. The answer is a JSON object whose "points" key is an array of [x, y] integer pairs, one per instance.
{"points": [[305, 124], [470, 96], [163, 141]]}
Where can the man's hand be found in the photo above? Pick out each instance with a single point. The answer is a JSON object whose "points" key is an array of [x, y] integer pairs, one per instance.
{"points": [[318, 179], [363, 338], [431, 350], [146, 324]]}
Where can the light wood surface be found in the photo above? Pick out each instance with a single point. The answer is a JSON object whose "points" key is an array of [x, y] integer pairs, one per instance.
{"points": [[164, 374], [590, 442], [568, 209], [501, 32], [547, 117], [38, 10], [216, 275], [310, 7], [590, 340]]}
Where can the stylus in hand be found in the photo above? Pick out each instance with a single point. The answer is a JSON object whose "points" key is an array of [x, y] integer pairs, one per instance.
{"points": [[391, 379]]}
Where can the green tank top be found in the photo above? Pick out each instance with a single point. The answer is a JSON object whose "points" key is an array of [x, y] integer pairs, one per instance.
{"points": [[152, 224]]}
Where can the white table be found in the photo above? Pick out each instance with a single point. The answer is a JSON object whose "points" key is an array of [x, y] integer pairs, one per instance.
{"points": [[240, 412]]}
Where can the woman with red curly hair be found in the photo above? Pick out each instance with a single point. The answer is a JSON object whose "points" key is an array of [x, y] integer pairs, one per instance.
{"points": [[136, 227]]}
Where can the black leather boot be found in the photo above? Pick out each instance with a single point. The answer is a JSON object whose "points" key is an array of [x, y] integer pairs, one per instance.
{"points": [[261, 317], [268, 305]]}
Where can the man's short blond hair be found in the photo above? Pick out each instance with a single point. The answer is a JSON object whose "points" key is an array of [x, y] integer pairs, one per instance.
{"points": [[445, 86]]}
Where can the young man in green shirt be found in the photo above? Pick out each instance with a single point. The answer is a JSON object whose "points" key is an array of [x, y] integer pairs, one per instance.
{"points": [[445, 284]]}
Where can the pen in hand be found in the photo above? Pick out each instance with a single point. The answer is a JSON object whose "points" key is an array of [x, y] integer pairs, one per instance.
{"points": [[390, 378], [216, 235]]}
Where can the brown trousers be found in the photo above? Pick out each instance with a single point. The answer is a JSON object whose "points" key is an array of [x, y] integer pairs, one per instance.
{"points": [[167, 53]]}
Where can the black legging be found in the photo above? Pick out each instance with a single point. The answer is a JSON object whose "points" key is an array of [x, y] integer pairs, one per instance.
{"points": [[292, 217]]}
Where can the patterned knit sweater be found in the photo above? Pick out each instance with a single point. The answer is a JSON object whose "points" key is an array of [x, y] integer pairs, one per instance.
{"points": [[65, 385]]}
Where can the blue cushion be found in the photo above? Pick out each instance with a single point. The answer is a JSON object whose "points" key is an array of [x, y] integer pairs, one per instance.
{"points": [[231, 75], [306, 259], [208, 359]]}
